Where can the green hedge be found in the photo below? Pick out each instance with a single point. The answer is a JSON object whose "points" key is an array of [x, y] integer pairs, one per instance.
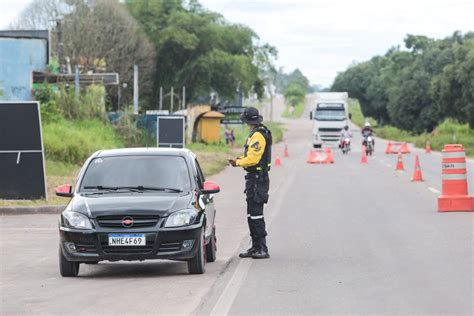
{"points": [[74, 141]]}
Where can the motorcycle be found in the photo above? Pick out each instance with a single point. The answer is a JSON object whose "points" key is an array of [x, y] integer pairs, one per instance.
{"points": [[369, 145], [345, 145]]}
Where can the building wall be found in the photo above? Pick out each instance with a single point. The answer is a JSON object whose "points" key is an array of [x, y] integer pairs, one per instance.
{"points": [[19, 57]]}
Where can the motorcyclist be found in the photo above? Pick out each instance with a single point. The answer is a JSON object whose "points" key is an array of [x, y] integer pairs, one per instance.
{"points": [[367, 131], [345, 133]]}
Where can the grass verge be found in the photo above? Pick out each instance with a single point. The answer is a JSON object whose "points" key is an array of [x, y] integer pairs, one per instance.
{"points": [[448, 132]]}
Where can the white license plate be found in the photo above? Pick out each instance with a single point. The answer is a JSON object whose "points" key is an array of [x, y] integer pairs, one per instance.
{"points": [[127, 240]]}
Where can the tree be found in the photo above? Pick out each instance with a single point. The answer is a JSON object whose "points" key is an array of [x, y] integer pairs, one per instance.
{"points": [[199, 49]]}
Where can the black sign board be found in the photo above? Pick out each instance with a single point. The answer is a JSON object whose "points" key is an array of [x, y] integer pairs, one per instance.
{"points": [[232, 114], [170, 131], [22, 172]]}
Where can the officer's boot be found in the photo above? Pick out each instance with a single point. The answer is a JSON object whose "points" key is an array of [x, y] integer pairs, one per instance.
{"points": [[249, 252], [262, 250]]}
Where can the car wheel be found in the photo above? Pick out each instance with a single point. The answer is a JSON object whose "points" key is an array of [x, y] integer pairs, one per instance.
{"points": [[197, 265], [67, 268], [211, 247]]}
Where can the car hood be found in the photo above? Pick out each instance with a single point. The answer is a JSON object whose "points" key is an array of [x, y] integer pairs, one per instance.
{"points": [[115, 204]]}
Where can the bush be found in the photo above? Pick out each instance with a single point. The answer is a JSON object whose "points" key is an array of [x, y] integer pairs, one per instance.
{"points": [[74, 141]]}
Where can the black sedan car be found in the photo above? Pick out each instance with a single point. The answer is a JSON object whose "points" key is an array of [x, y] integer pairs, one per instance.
{"points": [[138, 204]]}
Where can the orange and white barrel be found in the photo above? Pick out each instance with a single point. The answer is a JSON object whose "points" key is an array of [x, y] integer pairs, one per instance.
{"points": [[454, 196]]}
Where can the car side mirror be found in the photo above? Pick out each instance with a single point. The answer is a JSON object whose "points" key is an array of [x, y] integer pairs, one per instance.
{"points": [[64, 190], [210, 187], [310, 115]]}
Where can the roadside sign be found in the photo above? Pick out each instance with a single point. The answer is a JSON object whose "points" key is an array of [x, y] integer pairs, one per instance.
{"points": [[170, 131], [232, 114], [22, 170]]}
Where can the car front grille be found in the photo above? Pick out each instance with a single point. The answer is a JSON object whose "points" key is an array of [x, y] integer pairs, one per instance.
{"points": [[170, 246], [139, 221], [329, 129]]}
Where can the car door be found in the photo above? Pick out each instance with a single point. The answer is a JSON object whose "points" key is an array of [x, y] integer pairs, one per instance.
{"points": [[207, 200]]}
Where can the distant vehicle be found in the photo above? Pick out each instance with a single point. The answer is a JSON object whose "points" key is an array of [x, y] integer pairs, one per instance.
{"points": [[329, 116], [346, 145], [369, 144], [138, 204]]}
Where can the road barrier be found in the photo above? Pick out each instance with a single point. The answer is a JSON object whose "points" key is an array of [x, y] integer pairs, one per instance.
{"points": [[363, 158], [417, 176], [400, 165], [320, 156], [277, 161], [428, 148], [454, 196], [397, 147]]}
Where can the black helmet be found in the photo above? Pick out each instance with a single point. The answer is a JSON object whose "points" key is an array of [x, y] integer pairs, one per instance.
{"points": [[346, 127], [251, 116]]}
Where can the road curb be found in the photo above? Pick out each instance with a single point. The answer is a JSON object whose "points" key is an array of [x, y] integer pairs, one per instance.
{"points": [[31, 210]]}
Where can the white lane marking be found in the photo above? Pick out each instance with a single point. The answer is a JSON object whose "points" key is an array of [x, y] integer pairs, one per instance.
{"points": [[382, 161], [435, 191], [227, 297], [389, 165], [225, 302]]}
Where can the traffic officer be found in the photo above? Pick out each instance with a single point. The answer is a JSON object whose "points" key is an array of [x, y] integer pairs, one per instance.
{"points": [[256, 161]]}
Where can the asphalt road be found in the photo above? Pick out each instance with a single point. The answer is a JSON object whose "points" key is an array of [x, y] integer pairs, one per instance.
{"points": [[344, 239]]}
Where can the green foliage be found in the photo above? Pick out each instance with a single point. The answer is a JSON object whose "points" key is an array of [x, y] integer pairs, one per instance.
{"points": [[295, 87], [416, 90], [199, 49], [74, 141]]}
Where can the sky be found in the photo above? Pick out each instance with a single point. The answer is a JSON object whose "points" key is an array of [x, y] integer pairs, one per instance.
{"points": [[323, 37]]}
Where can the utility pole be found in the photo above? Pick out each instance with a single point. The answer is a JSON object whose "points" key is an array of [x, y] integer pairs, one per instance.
{"points": [[161, 99], [172, 99], [58, 43], [184, 98], [135, 89], [77, 88]]}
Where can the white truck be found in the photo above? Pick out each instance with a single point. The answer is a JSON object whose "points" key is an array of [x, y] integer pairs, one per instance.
{"points": [[329, 117]]}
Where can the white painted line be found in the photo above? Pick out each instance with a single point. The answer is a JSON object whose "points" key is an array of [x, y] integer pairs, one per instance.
{"points": [[382, 161], [389, 165], [224, 303], [435, 191]]}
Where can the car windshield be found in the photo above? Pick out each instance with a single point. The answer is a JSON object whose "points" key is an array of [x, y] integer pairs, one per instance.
{"points": [[330, 115], [153, 173]]}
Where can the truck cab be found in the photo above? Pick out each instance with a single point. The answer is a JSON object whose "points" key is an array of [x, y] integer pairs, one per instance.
{"points": [[329, 115]]}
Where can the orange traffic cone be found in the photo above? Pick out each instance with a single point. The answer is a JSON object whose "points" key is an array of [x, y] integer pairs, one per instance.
{"points": [[428, 148], [330, 158], [417, 173], [404, 149], [277, 160], [311, 156], [286, 151], [388, 149], [363, 158], [400, 162]]}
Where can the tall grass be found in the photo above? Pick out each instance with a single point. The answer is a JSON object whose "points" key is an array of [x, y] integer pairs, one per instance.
{"points": [[74, 141]]}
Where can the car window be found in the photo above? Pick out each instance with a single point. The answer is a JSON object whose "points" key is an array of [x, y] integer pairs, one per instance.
{"points": [[133, 171], [200, 175]]}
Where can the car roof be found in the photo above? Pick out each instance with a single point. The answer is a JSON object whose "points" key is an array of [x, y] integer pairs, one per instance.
{"points": [[150, 151]]}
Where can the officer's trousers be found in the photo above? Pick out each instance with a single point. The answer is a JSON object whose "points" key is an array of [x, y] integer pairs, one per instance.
{"points": [[256, 190]]}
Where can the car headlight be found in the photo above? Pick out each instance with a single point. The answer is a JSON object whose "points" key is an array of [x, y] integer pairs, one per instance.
{"points": [[181, 218], [76, 220]]}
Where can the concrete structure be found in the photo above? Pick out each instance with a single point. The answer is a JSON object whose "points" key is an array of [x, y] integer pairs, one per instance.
{"points": [[21, 53]]}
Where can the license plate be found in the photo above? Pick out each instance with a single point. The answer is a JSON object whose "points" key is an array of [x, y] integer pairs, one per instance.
{"points": [[127, 240]]}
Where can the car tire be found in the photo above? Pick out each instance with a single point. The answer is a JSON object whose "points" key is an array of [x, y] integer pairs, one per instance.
{"points": [[211, 247], [197, 265], [316, 146], [67, 268]]}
